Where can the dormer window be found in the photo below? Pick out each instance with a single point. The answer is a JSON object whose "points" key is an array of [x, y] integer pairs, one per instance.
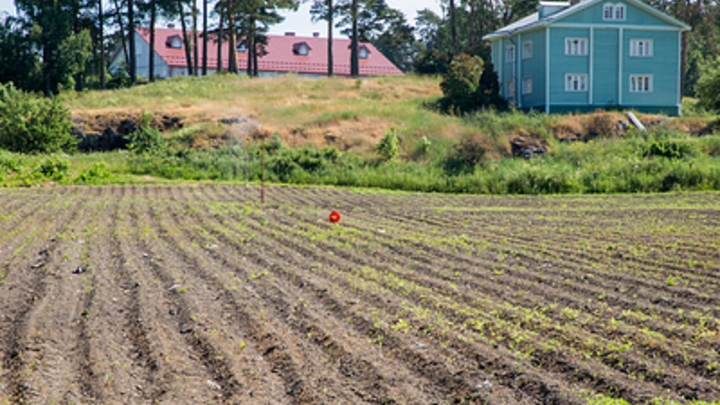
{"points": [[614, 12], [174, 42], [363, 52], [301, 48], [242, 47]]}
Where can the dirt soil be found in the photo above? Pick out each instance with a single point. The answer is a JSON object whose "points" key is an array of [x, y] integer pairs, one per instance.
{"points": [[199, 294]]}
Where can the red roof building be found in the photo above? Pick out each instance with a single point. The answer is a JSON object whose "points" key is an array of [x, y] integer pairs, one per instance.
{"points": [[284, 54]]}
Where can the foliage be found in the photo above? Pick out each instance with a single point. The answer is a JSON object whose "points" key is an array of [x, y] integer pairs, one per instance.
{"points": [[387, 148], [32, 124], [18, 63], [467, 154], [461, 82], [146, 139], [708, 86]]}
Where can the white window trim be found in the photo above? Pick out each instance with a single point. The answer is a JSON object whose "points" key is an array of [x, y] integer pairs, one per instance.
{"points": [[608, 7], [568, 47], [525, 90], [614, 7], [624, 12], [649, 48], [583, 80], [510, 53], [527, 55], [303, 50], [651, 84]]}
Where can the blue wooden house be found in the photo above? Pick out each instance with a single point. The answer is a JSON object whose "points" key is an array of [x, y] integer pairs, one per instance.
{"points": [[579, 56]]}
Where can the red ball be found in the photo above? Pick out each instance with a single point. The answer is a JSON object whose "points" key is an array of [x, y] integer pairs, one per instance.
{"points": [[334, 217]]}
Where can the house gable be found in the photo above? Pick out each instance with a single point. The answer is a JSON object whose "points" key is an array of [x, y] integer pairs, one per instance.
{"points": [[634, 15]]}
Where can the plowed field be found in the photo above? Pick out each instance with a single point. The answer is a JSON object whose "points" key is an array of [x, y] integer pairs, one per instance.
{"points": [[198, 294]]}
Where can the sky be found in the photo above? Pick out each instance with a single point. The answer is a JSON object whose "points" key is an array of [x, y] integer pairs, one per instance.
{"points": [[299, 22]]}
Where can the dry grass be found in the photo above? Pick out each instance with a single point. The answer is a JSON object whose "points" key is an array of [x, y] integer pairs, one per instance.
{"points": [[345, 113]]}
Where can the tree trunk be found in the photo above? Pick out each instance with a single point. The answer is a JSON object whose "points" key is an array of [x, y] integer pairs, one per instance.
{"points": [[453, 32], [250, 45], [188, 56], [354, 63], [103, 84], [131, 37], [683, 62], [205, 22], [232, 46], [122, 31], [196, 60], [220, 38], [330, 38], [152, 41], [472, 24]]}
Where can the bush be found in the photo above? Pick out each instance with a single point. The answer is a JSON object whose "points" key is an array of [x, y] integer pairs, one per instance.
{"points": [[708, 86], [466, 155], [387, 148], [32, 124], [670, 148], [460, 84], [146, 139]]}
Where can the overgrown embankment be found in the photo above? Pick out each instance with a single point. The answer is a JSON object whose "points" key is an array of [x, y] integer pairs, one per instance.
{"points": [[327, 131]]}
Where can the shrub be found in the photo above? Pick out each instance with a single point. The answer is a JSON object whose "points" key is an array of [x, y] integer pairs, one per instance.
{"points": [[146, 139], [670, 148], [461, 82], [708, 86], [387, 148], [466, 155], [32, 124]]}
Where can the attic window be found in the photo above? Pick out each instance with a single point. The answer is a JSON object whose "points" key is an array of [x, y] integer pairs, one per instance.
{"points": [[614, 12], [301, 48], [174, 42], [242, 47], [363, 53]]}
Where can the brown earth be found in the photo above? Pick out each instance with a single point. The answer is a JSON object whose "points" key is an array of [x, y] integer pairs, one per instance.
{"points": [[199, 294]]}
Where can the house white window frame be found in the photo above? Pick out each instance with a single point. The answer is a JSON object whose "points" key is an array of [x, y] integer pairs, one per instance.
{"points": [[242, 47], [510, 53], [527, 47], [641, 48], [614, 12], [608, 12], [527, 85], [620, 12], [573, 80], [510, 86], [576, 46], [363, 53], [641, 83]]}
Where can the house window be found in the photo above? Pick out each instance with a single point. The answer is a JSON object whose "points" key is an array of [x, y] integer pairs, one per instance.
{"points": [[614, 12], [620, 12], [576, 46], [174, 42], [242, 47], [641, 48], [510, 53], [527, 49], [641, 84], [510, 89], [303, 50], [527, 85], [363, 53], [575, 82], [608, 12]]}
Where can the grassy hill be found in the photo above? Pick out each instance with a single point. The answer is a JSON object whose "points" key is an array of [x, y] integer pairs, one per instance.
{"points": [[326, 131]]}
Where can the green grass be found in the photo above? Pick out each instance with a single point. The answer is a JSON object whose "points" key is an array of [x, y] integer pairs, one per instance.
{"points": [[603, 400]]}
